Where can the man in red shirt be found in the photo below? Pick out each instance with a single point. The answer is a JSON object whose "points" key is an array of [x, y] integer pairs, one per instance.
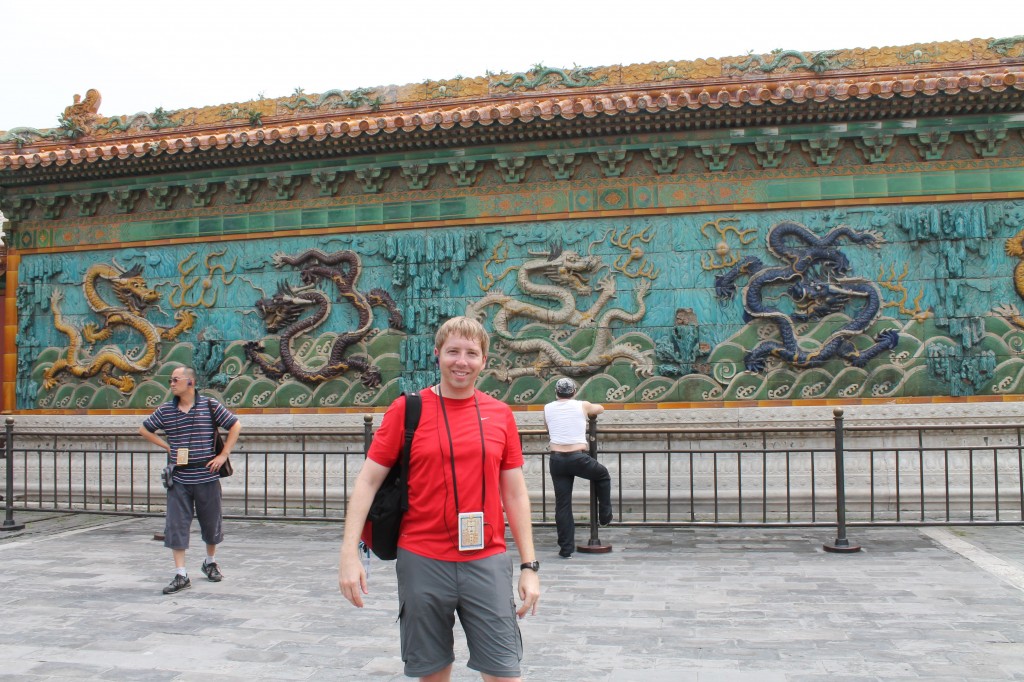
{"points": [[465, 477]]}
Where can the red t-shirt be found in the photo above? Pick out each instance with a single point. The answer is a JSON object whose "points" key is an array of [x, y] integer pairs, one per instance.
{"points": [[430, 527]]}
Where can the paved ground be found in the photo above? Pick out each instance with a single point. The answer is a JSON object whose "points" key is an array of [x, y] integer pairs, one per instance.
{"points": [[80, 599]]}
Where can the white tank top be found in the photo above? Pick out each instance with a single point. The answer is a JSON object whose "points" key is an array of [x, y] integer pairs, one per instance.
{"points": [[567, 423]]}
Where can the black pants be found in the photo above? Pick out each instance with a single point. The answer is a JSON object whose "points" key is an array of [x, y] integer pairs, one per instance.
{"points": [[565, 467]]}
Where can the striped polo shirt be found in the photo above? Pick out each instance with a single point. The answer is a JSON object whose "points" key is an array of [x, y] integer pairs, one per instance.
{"points": [[192, 430]]}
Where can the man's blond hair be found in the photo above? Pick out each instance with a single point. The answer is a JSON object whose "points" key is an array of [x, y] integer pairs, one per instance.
{"points": [[464, 327]]}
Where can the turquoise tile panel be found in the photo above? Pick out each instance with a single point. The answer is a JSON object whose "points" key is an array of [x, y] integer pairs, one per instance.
{"points": [[973, 181], [314, 218], [344, 215], [210, 226], [938, 183], [397, 213], [870, 186], [369, 214], [776, 190], [261, 222], [284, 220], [804, 190], [236, 224], [1007, 180], [837, 188], [908, 184], [424, 210], [452, 208]]}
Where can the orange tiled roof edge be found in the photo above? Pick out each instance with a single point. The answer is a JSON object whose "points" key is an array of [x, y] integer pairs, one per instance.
{"points": [[544, 93]]}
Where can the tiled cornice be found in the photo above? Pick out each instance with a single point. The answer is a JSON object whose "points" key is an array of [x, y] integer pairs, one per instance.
{"points": [[868, 92]]}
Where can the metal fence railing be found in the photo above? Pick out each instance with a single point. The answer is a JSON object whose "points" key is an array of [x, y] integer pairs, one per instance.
{"points": [[807, 476]]}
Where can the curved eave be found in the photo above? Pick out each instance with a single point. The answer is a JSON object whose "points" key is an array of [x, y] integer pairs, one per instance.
{"points": [[707, 98]]}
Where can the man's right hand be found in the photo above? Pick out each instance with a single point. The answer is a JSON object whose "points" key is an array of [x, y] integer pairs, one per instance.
{"points": [[352, 578]]}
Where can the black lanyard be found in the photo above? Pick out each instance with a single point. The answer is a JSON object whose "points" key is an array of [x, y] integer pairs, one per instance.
{"points": [[451, 451]]}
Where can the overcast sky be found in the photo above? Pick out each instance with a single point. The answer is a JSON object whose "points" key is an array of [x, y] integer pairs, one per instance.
{"points": [[177, 54]]}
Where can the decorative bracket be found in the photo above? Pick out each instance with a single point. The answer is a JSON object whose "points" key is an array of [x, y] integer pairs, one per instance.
{"points": [[823, 149], [562, 164], [769, 152], [465, 171], [418, 173], [513, 168], [715, 156], [931, 145], [17, 208], [242, 188], [327, 182], [613, 163], [284, 186], [875, 148], [52, 206], [124, 199], [664, 159], [202, 193], [163, 196], [87, 202], [986, 141], [373, 178]]}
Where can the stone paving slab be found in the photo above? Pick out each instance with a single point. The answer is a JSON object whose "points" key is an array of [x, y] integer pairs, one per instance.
{"points": [[80, 599]]}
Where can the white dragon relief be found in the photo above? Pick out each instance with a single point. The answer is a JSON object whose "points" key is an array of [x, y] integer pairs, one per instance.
{"points": [[569, 275]]}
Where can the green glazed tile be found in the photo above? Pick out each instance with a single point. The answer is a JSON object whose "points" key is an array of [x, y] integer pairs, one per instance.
{"points": [[804, 190], [287, 219], [236, 224], [870, 186], [904, 185], [341, 216], [1007, 180], [314, 218], [396, 213], [938, 183], [369, 214], [424, 210], [452, 208], [973, 181], [210, 226], [837, 188], [261, 222]]}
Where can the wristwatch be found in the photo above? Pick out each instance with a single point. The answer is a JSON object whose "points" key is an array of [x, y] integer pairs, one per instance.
{"points": [[530, 565]]}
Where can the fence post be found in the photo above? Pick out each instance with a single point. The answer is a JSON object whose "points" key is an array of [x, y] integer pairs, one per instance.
{"points": [[594, 544], [367, 433], [841, 544], [9, 523]]}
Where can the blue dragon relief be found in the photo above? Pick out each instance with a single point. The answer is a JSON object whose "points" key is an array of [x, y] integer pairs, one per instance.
{"points": [[816, 277]]}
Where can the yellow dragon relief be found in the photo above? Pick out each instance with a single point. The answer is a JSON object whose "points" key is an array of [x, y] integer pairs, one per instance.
{"points": [[566, 275], [1014, 248], [135, 298]]}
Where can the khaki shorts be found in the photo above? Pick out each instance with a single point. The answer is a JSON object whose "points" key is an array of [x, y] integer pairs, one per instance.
{"points": [[431, 592]]}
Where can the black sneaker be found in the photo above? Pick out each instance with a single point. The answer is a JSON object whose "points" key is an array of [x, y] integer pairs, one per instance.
{"points": [[565, 555], [179, 583], [211, 572], [605, 519]]}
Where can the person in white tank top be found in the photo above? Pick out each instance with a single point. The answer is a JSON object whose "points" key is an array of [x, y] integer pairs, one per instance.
{"points": [[566, 420]]}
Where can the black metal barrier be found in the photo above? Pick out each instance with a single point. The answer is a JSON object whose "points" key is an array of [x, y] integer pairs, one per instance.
{"points": [[832, 476]]}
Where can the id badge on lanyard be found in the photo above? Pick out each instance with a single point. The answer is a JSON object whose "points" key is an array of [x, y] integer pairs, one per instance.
{"points": [[471, 531]]}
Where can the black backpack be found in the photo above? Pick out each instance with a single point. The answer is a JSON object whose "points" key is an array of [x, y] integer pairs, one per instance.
{"points": [[380, 534]]}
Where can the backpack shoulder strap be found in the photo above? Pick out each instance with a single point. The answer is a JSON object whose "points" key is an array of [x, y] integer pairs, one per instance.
{"points": [[413, 409]]}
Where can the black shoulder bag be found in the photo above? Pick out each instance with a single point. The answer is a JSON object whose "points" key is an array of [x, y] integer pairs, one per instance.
{"points": [[384, 521], [218, 445]]}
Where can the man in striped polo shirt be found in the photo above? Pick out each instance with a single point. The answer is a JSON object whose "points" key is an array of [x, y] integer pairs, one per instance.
{"points": [[187, 421]]}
